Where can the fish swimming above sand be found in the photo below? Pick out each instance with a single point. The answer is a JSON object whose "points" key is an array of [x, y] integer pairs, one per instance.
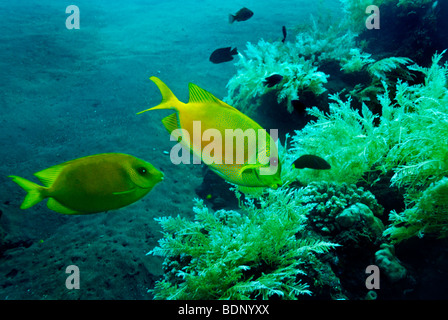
{"points": [[91, 184], [223, 55], [242, 15], [203, 112], [260, 167]]}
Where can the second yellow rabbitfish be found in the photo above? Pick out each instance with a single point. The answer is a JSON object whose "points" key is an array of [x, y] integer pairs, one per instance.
{"points": [[260, 166], [91, 184]]}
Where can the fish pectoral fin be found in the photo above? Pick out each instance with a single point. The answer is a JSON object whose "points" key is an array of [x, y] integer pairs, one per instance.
{"points": [[124, 192], [249, 171], [54, 205]]}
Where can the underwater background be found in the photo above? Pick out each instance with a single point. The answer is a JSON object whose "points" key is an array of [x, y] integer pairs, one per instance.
{"points": [[70, 93]]}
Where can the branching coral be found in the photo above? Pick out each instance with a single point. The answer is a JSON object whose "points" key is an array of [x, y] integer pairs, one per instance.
{"points": [[349, 141], [428, 216], [420, 155], [356, 60], [229, 255], [297, 62], [380, 68], [410, 140], [265, 59]]}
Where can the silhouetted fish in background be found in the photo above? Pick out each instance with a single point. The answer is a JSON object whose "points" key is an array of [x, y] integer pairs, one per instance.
{"points": [[284, 34], [299, 106], [273, 80], [223, 55], [242, 15], [312, 162]]}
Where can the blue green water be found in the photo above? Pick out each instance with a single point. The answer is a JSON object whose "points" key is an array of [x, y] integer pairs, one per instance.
{"points": [[69, 93]]}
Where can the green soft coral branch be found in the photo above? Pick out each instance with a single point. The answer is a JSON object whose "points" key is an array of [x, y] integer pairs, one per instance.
{"points": [[348, 140], [265, 59], [428, 216]]}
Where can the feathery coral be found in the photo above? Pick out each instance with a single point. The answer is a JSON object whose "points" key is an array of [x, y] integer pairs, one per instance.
{"points": [[229, 255]]}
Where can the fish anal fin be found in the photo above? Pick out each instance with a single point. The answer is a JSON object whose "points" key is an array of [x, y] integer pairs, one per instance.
{"points": [[54, 205], [171, 122]]}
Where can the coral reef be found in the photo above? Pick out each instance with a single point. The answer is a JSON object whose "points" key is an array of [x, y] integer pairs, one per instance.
{"points": [[230, 255], [312, 234], [386, 260], [265, 59], [428, 216], [277, 245], [408, 139], [345, 213]]}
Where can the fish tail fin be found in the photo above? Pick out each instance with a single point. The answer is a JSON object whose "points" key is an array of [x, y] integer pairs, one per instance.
{"points": [[34, 195], [234, 52], [169, 100], [231, 18]]}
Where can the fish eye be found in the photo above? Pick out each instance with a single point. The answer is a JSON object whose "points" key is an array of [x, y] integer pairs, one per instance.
{"points": [[273, 161], [142, 171]]}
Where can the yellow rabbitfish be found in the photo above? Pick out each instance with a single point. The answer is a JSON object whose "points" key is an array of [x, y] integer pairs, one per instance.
{"points": [[91, 184], [259, 167]]}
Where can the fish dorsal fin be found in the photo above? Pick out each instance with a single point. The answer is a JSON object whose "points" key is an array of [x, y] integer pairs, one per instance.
{"points": [[198, 94], [48, 176], [54, 205], [171, 122]]}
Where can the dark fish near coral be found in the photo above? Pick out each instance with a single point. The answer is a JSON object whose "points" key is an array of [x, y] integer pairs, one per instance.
{"points": [[312, 162], [242, 15], [299, 106], [284, 34], [223, 55], [272, 80]]}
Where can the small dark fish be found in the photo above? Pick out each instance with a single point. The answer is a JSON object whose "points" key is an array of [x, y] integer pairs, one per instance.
{"points": [[273, 80], [242, 15], [311, 162], [284, 34], [223, 55], [299, 106]]}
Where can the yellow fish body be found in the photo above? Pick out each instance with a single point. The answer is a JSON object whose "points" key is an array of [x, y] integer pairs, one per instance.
{"points": [[91, 184], [259, 167]]}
